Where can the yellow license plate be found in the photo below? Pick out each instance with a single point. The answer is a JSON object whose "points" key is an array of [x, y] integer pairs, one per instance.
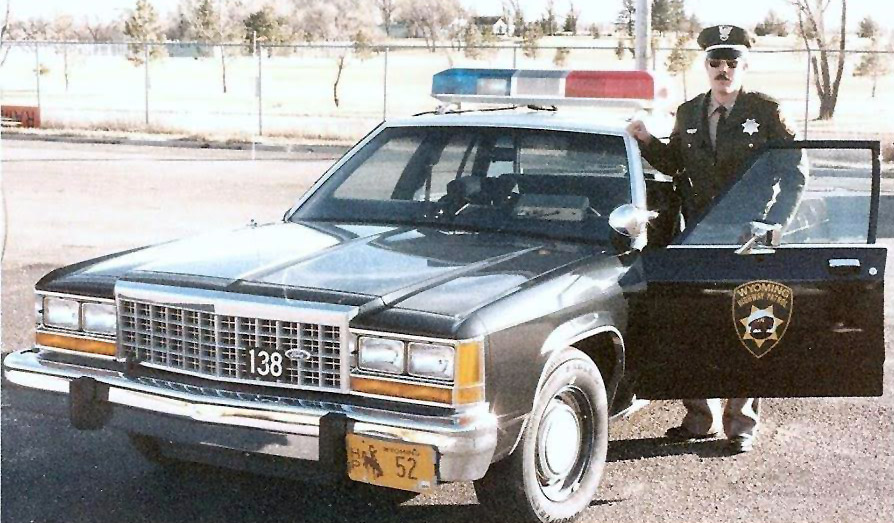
{"points": [[391, 464]]}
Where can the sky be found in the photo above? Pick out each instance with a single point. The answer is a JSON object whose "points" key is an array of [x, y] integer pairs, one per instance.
{"points": [[710, 12]]}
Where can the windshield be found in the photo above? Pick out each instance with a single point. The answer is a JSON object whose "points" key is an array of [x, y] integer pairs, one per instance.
{"points": [[555, 183]]}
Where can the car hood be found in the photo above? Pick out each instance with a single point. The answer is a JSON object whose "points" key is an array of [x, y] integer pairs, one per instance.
{"points": [[438, 271]]}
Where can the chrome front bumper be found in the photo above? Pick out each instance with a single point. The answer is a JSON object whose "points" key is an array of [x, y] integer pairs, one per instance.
{"points": [[211, 418]]}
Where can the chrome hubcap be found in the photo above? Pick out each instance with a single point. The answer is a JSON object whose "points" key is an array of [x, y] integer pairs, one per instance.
{"points": [[559, 439], [565, 443]]}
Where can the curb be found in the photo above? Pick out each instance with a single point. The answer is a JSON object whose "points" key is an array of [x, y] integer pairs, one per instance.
{"points": [[323, 149]]}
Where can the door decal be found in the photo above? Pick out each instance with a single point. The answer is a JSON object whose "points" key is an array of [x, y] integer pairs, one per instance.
{"points": [[762, 311]]}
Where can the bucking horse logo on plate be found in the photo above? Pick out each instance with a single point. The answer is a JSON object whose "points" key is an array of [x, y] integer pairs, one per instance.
{"points": [[762, 311]]}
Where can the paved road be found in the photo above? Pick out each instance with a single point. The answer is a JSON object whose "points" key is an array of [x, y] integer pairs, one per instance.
{"points": [[818, 460]]}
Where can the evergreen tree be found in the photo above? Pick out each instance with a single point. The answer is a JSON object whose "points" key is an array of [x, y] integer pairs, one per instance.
{"points": [[571, 19], [680, 60], [873, 64], [626, 20], [142, 26], [771, 25], [661, 16], [868, 28], [264, 26]]}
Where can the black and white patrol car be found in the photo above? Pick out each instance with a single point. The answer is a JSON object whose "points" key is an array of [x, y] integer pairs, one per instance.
{"points": [[469, 297]]}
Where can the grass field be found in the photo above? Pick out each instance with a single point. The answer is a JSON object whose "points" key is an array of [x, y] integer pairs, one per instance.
{"points": [[185, 94]]}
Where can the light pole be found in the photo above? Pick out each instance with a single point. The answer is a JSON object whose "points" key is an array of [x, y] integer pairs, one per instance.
{"points": [[643, 30]]}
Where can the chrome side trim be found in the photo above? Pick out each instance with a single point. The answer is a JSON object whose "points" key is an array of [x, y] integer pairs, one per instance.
{"points": [[76, 353], [78, 297]]}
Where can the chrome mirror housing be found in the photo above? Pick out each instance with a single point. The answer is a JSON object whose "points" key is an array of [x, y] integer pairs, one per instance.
{"points": [[629, 220]]}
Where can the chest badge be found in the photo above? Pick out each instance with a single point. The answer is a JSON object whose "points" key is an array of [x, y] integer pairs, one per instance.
{"points": [[691, 131], [762, 311], [750, 126]]}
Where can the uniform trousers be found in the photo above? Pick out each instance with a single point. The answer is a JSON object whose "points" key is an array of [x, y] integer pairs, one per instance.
{"points": [[739, 418]]}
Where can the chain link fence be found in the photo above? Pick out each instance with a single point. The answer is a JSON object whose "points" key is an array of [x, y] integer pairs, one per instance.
{"points": [[339, 92]]}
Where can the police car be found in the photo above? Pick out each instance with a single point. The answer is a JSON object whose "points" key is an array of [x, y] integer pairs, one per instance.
{"points": [[470, 295]]}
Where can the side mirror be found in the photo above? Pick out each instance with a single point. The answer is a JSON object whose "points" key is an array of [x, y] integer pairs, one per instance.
{"points": [[629, 220]]}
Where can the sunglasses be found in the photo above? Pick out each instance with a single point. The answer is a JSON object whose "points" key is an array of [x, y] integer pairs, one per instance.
{"points": [[732, 64]]}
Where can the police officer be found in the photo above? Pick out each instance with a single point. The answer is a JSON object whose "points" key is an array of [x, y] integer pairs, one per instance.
{"points": [[714, 137]]}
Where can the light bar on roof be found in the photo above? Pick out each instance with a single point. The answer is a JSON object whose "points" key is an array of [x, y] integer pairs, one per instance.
{"points": [[636, 89]]}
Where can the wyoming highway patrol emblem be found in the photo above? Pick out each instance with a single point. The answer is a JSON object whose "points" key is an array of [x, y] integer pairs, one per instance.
{"points": [[762, 311]]}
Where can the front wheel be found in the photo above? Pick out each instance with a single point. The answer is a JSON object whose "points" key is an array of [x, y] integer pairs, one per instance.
{"points": [[554, 473]]}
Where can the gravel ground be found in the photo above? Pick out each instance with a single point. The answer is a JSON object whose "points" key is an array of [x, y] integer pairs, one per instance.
{"points": [[817, 459]]}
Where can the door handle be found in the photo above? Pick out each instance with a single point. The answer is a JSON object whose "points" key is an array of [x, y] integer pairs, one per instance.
{"points": [[844, 266]]}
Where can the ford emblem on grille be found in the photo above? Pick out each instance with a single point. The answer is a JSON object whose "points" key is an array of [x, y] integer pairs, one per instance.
{"points": [[298, 354]]}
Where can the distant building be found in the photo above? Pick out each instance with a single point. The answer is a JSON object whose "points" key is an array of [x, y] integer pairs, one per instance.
{"points": [[191, 50], [494, 25]]}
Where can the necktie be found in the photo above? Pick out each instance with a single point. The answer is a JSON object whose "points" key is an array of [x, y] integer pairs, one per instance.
{"points": [[721, 112], [721, 120]]}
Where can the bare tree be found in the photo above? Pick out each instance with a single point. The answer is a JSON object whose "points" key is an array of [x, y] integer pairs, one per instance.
{"points": [[388, 9], [63, 28], [210, 23], [96, 30], [518, 16], [811, 23], [430, 18], [33, 29], [5, 33], [338, 20]]}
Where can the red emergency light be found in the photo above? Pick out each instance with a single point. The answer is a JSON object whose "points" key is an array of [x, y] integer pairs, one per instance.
{"points": [[639, 85]]}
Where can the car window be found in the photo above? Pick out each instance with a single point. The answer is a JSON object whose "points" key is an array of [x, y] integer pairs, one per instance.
{"points": [[376, 176], [573, 153], [543, 181], [824, 202]]}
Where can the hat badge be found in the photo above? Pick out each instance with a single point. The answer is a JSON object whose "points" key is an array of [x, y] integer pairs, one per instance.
{"points": [[725, 30]]}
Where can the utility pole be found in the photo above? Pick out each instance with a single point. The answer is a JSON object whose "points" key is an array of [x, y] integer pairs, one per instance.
{"points": [[643, 33]]}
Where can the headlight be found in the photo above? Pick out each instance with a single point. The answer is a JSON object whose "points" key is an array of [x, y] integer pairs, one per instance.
{"points": [[100, 318], [381, 354], [62, 313], [428, 360]]}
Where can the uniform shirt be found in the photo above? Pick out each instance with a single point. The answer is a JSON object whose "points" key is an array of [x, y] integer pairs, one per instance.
{"points": [[704, 170]]}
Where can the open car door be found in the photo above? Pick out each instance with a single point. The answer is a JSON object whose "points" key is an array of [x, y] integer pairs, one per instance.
{"points": [[735, 309]]}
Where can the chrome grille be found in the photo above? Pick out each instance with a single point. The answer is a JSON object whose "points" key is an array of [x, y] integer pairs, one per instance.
{"points": [[215, 345]]}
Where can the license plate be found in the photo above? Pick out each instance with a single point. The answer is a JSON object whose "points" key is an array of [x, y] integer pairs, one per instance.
{"points": [[391, 464]]}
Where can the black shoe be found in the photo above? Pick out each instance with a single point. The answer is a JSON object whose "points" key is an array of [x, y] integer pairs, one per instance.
{"points": [[740, 444], [681, 433]]}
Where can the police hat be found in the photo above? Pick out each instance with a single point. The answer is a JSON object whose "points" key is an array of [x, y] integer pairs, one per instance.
{"points": [[725, 41]]}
